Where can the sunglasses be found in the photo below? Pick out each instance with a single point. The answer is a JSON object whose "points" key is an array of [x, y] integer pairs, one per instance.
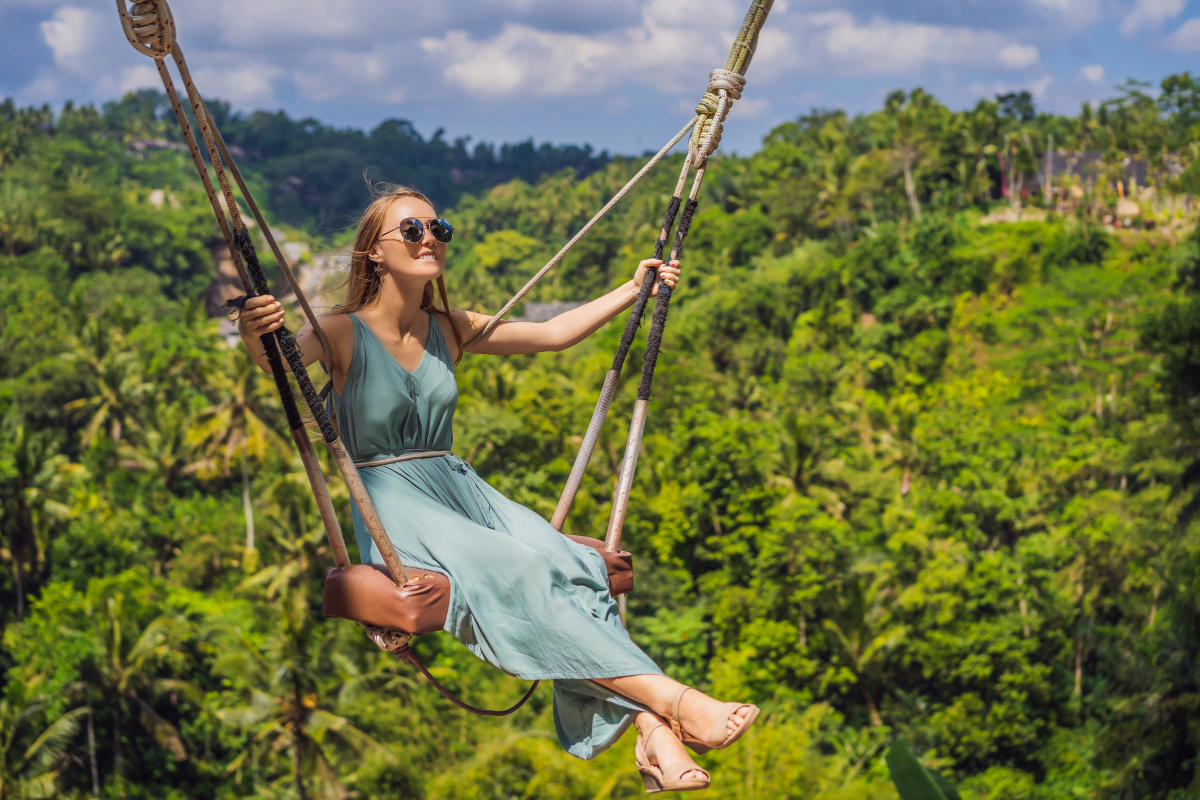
{"points": [[412, 230]]}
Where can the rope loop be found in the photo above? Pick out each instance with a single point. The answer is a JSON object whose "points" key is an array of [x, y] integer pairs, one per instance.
{"points": [[149, 26]]}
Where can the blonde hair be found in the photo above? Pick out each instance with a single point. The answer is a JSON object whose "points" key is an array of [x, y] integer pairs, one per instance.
{"points": [[362, 285]]}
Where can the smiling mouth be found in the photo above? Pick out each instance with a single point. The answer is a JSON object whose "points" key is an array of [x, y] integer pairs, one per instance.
{"points": [[427, 256]]}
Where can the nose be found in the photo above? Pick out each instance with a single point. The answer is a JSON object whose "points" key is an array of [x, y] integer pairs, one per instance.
{"points": [[428, 240]]}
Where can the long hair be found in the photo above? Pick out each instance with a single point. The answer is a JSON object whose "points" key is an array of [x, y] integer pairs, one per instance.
{"points": [[362, 285]]}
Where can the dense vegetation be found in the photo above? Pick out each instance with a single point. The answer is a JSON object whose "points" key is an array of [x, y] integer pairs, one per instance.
{"points": [[918, 466]]}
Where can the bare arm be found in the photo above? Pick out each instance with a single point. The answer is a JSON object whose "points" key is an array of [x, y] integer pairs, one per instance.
{"points": [[565, 330], [264, 313]]}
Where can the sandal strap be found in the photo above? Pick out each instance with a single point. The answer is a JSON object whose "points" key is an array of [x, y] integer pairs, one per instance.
{"points": [[673, 772], [676, 728]]}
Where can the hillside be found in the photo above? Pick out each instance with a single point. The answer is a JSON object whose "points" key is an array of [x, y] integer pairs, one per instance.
{"points": [[918, 465]]}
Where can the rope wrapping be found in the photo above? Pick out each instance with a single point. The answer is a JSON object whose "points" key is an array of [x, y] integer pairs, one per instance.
{"points": [[286, 341], [685, 225], [275, 362], [654, 340], [668, 221]]}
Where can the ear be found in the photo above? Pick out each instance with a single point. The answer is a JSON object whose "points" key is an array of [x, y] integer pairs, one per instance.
{"points": [[374, 254]]}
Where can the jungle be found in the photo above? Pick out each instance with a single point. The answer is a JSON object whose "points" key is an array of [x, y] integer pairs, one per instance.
{"points": [[921, 462]]}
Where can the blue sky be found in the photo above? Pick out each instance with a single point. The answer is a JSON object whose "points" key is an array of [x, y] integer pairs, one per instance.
{"points": [[619, 74]]}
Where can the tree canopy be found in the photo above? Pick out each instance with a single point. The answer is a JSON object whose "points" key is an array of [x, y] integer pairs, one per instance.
{"points": [[921, 461]]}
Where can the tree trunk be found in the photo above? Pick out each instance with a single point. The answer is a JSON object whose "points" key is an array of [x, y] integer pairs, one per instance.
{"points": [[247, 507], [905, 482], [910, 188], [300, 791], [875, 719], [118, 757], [92, 754], [16, 554]]}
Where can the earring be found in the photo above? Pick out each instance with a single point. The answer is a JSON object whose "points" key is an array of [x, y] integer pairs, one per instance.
{"points": [[378, 270]]}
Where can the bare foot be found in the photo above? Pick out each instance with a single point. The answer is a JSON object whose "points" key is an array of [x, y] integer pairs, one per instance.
{"points": [[698, 712], [663, 748]]}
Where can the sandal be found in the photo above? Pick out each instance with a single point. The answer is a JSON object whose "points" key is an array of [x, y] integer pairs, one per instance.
{"points": [[657, 778], [717, 738]]}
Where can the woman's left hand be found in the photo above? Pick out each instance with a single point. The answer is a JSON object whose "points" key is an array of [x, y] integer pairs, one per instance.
{"points": [[668, 273]]}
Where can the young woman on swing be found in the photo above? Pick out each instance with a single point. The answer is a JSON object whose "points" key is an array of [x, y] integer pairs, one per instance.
{"points": [[523, 596]]}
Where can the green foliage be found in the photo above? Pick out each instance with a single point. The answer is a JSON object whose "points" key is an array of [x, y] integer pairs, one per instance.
{"points": [[912, 469]]}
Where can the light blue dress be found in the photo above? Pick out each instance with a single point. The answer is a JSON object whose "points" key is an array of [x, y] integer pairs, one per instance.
{"points": [[523, 596]]}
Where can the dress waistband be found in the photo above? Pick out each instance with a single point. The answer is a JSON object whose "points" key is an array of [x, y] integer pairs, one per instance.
{"points": [[403, 455]]}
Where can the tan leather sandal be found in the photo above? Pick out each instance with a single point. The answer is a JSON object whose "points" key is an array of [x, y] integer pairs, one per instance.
{"points": [[717, 738], [658, 778]]}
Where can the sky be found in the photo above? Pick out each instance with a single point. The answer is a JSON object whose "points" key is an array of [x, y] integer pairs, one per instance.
{"points": [[622, 75]]}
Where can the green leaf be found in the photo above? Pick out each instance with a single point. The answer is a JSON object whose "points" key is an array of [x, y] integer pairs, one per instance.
{"points": [[912, 780]]}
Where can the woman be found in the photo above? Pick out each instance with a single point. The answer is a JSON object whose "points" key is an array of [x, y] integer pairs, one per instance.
{"points": [[524, 597]]}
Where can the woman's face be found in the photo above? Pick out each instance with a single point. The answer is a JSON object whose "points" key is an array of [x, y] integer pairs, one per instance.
{"points": [[415, 262]]}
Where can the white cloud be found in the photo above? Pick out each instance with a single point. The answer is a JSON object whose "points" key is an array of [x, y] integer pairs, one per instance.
{"points": [[1150, 14], [887, 46], [243, 84], [1092, 72], [1187, 38], [1016, 56], [525, 60], [71, 36]]}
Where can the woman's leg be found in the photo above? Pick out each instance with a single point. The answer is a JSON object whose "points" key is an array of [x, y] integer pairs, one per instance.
{"points": [[697, 711]]}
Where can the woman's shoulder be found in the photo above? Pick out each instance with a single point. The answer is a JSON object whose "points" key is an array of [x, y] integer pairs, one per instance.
{"points": [[339, 330], [464, 323]]}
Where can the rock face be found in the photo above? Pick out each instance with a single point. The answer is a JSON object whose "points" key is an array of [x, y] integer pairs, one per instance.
{"points": [[226, 284]]}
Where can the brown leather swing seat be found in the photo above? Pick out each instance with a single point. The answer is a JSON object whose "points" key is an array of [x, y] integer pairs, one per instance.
{"points": [[365, 594]]}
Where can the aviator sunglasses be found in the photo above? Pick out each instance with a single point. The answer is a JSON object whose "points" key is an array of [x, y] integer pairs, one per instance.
{"points": [[412, 230]]}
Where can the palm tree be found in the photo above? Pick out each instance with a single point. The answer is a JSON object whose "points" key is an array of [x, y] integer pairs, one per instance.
{"points": [[32, 774], [864, 650], [116, 383], [161, 446], [32, 475], [912, 120], [284, 709], [898, 440], [238, 426], [979, 134], [124, 673]]}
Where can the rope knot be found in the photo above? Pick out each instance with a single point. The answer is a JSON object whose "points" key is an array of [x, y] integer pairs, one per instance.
{"points": [[392, 641], [724, 86], [149, 26], [728, 80]]}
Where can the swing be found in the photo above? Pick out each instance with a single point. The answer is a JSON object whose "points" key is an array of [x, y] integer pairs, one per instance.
{"points": [[393, 605]]}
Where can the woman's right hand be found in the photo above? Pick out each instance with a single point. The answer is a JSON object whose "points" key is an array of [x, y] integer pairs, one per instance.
{"points": [[261, 314]]}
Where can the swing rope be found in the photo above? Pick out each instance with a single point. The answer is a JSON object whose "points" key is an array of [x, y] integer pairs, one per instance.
{"points": [[149, 27]]}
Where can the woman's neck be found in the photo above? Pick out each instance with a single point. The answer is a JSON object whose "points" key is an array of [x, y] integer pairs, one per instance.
{"points": [[398, 305]]}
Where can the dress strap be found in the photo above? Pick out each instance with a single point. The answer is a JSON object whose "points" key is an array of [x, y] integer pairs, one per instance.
{"points": [[437, 341]]}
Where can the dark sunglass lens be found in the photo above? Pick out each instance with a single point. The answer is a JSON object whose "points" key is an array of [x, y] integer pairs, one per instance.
{"points": [[412, 230], [442, 231]]}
